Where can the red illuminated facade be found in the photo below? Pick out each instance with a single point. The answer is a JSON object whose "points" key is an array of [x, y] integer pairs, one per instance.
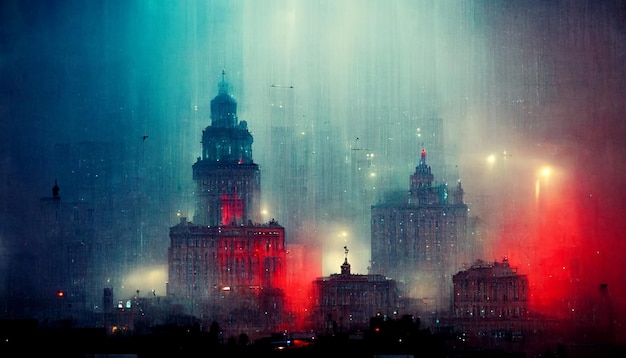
{"points": [[225, 265], [206, 261]]}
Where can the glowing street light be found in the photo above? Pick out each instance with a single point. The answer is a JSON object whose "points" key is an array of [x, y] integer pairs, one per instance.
{"points": [[544, 174]]}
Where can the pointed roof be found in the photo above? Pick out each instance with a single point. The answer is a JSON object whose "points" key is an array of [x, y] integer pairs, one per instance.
{"points": [[222, 87], [55, 190], [223, 106]]}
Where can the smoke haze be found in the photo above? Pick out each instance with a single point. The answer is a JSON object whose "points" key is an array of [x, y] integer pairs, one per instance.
{"points": [[110, 99]]}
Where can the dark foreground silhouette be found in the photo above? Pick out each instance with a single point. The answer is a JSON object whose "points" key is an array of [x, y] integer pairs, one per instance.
{"points": [[396, 338]]}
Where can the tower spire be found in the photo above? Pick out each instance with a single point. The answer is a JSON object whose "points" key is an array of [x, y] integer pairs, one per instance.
{"points": [[222, 87], [345, 268], [223, 106], [228, 181], [55, 190], [422, 176]]}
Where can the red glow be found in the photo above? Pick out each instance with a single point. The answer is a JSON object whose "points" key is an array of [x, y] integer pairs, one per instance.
{"points": [[60, 293], [232, 209], [302, 270], [570, 258]]}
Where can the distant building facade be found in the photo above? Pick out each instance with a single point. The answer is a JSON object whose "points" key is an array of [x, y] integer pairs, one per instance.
{"points": [[225, 265], [64, 261], [491, 302], [418, 240], [346, 302], [490, 290]]}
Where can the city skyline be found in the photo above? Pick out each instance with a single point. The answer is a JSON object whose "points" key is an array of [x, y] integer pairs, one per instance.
{"points": [[110, 100]]}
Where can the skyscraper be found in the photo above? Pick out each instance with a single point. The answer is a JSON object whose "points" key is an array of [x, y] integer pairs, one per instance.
{"points": [[225, 265], [65, 259], [418, 239], [228, 182]]}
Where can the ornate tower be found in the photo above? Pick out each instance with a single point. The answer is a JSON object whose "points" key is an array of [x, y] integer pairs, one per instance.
{"points": [[226, 265], [227, 180], [421, 181], [419, 240]]}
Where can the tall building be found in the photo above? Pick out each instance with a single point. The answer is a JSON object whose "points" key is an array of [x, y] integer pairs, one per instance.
{"points": [[65, 259], [418, 239], [225, 265], [228, 182]]}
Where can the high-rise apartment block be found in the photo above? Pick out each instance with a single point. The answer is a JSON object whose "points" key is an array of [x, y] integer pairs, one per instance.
{"points": [[65, 259], [419, 239], [225, 264]]}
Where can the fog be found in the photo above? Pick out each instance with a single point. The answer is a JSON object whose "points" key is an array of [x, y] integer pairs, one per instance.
{"points": [[110, 99]]}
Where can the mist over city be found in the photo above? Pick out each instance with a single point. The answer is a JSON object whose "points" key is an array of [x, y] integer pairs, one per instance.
{"points": [[520, 103]]}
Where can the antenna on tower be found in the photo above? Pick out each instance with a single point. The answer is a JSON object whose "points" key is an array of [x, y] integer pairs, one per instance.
{"points": [[223, 85]]}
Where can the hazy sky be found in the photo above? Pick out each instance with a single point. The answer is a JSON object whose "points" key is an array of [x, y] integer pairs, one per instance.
{"points": [[543, 81]]}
